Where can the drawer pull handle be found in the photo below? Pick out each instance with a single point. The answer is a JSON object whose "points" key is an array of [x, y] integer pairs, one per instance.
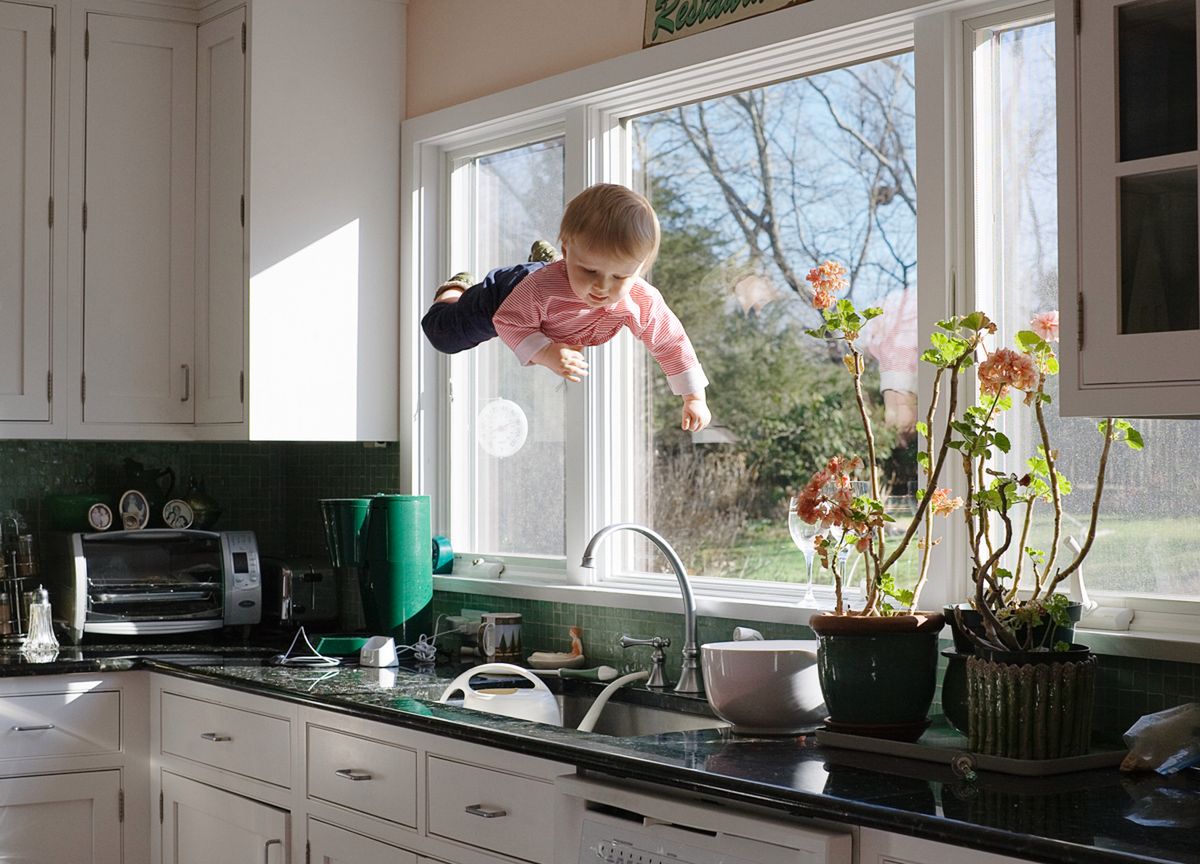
{"points": [[485, 812], [215, 736], [267, 849], [44, 727], [353, 774]]}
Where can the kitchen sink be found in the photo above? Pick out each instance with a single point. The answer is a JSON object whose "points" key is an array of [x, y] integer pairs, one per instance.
{"points": [[631, 720]]}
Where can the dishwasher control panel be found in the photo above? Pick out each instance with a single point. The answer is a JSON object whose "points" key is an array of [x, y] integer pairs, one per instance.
{"points": [[620, 841]]}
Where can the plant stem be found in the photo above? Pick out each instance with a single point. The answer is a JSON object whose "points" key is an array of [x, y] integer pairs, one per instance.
{"points": [[1012, 592], [1109, 436], [1055, 497], [872, 580]]}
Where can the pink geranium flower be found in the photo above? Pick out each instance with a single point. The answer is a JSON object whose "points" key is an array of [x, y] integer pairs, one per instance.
{"points": [[1007, 368], [1045, 324], [942, 504], [827, 280]]}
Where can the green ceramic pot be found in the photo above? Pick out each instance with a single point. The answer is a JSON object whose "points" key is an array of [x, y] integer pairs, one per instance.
{"points": [[1031, 705], [878, 675]]}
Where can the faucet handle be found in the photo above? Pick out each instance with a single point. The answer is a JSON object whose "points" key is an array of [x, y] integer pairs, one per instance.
{"points": [[658, 657], [656, 642]]}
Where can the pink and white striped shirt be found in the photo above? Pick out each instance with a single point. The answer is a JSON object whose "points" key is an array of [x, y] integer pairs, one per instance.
{"points": [[543, 309]]}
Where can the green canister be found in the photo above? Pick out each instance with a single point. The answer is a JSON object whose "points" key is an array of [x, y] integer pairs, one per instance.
{"points": [[396, 576]]}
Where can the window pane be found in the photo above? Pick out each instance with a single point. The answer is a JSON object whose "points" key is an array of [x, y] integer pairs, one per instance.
{"points": [[753, 190], [516, 498], [1150, 513]]}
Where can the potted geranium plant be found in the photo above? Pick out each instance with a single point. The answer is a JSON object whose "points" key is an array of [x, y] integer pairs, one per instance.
{"points": [[1029, 689], [878, 663]]}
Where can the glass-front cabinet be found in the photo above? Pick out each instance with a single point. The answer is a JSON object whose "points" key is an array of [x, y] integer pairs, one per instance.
{"points": [[1128, 171]]}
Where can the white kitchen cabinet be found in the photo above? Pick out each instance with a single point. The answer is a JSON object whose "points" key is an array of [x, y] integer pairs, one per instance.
{"points": [[56, 818], [139, 211], [26, 150], [202, 824], [74, 785], [1129, 167], [328, 844], [220, 215], [884, 847]]}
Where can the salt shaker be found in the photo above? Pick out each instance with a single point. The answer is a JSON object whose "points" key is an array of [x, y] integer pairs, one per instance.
{"points": [[40, 638]]}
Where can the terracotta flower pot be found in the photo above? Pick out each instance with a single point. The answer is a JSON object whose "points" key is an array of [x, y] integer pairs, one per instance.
{"points": [[878, 675]]}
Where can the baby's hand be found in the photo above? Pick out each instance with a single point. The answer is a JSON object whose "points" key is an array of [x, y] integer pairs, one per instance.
{"points": [[695, 412], [564, 360]]}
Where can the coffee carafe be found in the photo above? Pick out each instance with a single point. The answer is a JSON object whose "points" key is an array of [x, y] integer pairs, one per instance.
{"points": [[382, 543]]}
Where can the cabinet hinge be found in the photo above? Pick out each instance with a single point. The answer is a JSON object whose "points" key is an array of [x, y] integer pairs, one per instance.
{"points": [[307, 852], [53, 39], [87, 44], [160, 808], [1078, 16], [84, 217], [50, 385], [50, 214], [242, 386], [82, 387], [242, 211], [120, 805], [1079, 320], [243, 37]]}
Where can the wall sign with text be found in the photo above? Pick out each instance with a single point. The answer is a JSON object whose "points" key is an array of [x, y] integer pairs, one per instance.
{"points": [[667, 20]]}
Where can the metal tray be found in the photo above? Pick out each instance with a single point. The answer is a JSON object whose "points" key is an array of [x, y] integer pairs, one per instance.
{"points": [[943, 745]]}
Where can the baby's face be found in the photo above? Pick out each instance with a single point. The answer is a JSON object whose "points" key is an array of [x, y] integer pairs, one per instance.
{"points": [[600, 278]]}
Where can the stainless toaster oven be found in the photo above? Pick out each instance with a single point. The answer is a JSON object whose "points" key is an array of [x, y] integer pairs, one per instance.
{"points": [[159, 581]]}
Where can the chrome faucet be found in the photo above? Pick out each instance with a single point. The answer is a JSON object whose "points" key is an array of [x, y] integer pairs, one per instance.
{"points": [[690, 680]]}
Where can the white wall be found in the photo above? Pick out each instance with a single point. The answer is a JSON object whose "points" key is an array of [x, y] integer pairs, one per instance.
{"points": [[459, 50]]}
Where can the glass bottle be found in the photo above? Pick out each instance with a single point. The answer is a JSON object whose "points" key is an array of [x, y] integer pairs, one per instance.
{"points": [[40, 638]]}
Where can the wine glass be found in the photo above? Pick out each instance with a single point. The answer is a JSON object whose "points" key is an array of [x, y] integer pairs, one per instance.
{"points": [[803, 535], [857, 488]]}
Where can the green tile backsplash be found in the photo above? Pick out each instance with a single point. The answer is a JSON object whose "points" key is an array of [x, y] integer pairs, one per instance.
{"points": [[269, 488], [273, 489]]}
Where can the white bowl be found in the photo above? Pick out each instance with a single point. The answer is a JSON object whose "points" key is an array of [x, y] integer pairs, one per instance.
{"points": [[764, 687]]}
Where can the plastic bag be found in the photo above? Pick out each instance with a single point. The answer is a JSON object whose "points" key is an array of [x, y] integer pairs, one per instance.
{"points": [[1166, 742]]}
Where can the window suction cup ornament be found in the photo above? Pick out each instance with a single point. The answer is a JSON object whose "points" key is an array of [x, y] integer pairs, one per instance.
{"points": [[501, 428]]}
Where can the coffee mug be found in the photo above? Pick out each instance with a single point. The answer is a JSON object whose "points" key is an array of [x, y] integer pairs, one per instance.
{"points": [[500, 636]]}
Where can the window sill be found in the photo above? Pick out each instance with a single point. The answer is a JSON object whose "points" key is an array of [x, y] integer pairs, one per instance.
{"points": [[742, 610], [1180, 646]]}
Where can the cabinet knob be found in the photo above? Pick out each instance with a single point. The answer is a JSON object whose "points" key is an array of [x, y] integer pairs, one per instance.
{"points": [[353, 774], [215, 736], [485, 811]]}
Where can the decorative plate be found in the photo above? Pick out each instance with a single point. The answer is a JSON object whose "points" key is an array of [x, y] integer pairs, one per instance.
{"points": [[135, 510], [178, 514]]}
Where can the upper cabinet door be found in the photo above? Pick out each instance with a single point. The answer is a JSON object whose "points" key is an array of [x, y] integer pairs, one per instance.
{"points": [[1130, 268], [139, 195], [220, 246], [26, 99]]}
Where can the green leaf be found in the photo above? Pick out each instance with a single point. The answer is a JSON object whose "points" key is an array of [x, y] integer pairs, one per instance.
{"points": [[1028, 339], [1002, 442], [923, 428], [1051, 366], [1062, 646], [1133, 439]]}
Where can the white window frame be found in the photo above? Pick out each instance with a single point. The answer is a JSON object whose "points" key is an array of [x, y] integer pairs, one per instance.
{"points": [[1153, 615], [589, 104]]}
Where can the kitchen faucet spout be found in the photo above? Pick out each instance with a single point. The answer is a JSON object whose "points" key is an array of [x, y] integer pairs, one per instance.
{"points": [[690, 680]]}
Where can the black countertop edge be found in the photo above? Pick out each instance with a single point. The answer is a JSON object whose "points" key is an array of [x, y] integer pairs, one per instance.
{"points": [[602, 757]]}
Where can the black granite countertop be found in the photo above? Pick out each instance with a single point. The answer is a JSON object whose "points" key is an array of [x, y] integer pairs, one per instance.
{"points": [[1088, 816]]}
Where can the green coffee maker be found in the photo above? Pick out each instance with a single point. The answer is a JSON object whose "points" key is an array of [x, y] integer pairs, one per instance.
{"points": [[384, 541]]}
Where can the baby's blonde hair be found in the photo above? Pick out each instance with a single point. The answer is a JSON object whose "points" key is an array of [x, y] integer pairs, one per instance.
{"points": [[608, 218]]}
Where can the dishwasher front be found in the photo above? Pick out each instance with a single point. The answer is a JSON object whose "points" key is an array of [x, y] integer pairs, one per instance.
{"points": [[616, 822]]}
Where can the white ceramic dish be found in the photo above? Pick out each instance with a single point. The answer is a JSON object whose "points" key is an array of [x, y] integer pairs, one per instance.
{"points": [[764, 687], [556, 660], [537, 705]]}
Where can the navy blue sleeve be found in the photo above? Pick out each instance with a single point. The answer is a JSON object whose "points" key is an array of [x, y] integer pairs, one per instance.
{"points": [[454, 327]]}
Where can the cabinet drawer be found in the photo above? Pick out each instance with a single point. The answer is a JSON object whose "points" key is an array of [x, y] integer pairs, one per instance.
{"points": [[363, 774], [243, 742], [60, 724], [491, 809]]}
